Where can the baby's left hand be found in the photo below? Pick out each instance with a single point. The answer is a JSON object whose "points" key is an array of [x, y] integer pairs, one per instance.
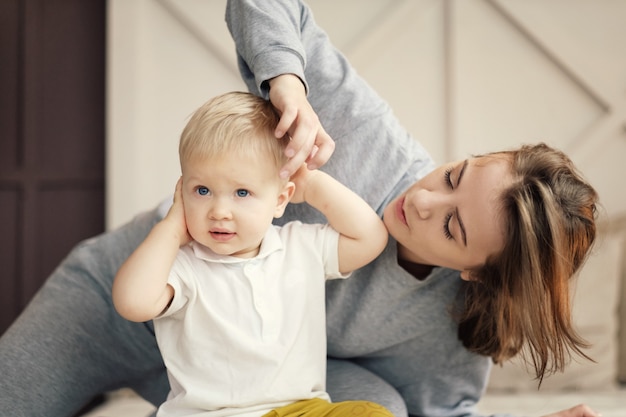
{"points": [[301, 179]]}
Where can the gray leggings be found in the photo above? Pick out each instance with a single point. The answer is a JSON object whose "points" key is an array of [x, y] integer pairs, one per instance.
{"points": [[70, 345]]}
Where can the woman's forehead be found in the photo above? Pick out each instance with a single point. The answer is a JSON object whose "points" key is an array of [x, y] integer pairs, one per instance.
{"points": [[479, 204], [486, 159]]}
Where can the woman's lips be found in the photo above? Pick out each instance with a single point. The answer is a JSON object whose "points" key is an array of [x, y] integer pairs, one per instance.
{"points": [[400, 211]]}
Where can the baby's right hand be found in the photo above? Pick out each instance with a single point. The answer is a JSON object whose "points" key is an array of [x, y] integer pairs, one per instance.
{"points": [[175, 217]]}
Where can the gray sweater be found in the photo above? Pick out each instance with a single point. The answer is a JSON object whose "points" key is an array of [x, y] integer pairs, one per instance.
{"points": [[382, 318]]}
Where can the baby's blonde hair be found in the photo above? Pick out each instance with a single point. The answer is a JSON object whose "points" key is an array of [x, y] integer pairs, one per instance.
{"points": [[233, 122]]}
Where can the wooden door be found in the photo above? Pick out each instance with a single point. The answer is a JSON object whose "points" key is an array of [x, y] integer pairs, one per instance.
{"points": [[52, 94]]}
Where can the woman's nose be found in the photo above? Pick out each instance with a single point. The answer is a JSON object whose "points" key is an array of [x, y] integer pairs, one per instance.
{"points": [[426, 202]]}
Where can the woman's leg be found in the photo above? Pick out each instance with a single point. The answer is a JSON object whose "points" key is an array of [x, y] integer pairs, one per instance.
{"points": [[346, 381], [70, 345]]}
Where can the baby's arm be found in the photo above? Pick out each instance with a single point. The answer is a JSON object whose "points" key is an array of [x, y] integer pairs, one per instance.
{"points": [[140, 289], [363, 235]]}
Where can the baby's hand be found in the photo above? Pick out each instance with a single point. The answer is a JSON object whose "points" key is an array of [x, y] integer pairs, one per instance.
{"points": [[301, 179], [176, 215]]}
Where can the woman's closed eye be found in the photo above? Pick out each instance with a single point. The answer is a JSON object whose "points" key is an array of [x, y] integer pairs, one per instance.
{"points": [[446, 227], [447, 178]]}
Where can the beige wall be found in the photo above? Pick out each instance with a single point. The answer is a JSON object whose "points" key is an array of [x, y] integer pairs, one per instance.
{"points": [[465, 76]]}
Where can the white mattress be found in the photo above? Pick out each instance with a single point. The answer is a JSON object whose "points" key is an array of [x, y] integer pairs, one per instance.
{"points": [[122, 403], [610, 403]]}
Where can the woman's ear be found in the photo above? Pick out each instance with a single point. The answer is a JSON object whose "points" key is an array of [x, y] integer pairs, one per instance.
{"points": [[283, 198], [466, 275]]}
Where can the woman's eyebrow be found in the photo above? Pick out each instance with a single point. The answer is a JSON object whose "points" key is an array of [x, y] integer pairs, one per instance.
{"points": [[458, 181], [458, 218]]}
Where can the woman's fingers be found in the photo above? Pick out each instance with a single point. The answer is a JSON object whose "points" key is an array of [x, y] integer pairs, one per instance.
{"points": [[309, 141], [580, 410]]}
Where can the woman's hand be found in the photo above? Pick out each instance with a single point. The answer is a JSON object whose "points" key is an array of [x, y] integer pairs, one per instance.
{"points": [[581, 410], [310, 143]]}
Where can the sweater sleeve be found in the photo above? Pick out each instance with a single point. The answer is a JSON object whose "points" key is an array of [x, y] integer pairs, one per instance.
{"points": [[264, 54], [274, 37]]}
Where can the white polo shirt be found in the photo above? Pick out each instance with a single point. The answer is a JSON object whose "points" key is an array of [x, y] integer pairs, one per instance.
{"points": [[244, 336]]}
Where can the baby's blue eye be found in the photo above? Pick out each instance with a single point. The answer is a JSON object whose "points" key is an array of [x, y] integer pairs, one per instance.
{"points": [[242, 193], [203, 190]]}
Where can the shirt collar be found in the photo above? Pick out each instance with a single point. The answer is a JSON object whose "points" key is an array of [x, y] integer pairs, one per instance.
{"points": [[270, 244]]}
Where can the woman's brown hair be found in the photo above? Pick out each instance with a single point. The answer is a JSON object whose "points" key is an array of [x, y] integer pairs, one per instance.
{"points": [[519, 301]]}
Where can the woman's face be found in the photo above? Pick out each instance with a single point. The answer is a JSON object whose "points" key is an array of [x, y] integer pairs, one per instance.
{"points": [[451, 217]]}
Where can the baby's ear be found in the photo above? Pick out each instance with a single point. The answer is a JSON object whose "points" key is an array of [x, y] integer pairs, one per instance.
{"points": [[283, 198]]}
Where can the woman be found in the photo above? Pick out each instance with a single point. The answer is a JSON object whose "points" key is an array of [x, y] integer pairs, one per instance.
{"points": [[516, 224], [393, 334]]}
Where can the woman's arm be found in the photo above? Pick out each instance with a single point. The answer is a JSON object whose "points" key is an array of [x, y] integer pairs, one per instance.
{"points": [[310, 143], [265, 54], [276, 37]]}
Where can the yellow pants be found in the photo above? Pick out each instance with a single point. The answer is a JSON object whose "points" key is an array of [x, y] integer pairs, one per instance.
{"points": [[322, 408]]}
